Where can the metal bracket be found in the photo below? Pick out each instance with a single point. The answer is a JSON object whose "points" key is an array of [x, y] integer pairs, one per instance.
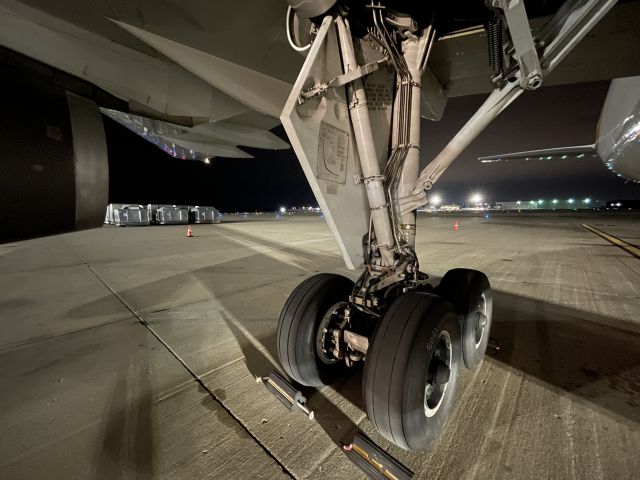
{"points": [[360, 179], [397, 274], [373, 178], [525, 48], [341, 80]]}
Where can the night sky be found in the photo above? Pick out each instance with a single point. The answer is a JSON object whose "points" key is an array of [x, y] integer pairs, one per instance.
{"points": [[549, 117]]}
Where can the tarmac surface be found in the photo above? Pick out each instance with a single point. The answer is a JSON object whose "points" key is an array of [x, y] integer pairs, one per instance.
{"points": [[131, 353]]}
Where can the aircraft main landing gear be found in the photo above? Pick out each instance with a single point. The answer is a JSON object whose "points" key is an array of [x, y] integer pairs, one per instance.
{"points": [[391, 317], [353, 118], [413, 347]]}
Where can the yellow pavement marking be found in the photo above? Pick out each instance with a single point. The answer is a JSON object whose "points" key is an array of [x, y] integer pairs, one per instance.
{"points": [[627, 247]]}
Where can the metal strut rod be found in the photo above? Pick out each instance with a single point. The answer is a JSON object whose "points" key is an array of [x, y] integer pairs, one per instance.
{"points": [[366, 149], [488, 111], [416, 53], [572, 22]]}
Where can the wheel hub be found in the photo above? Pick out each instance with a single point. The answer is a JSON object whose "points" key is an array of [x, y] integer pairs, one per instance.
{"points": [[438, 374], [481, 319], [333, 320]]}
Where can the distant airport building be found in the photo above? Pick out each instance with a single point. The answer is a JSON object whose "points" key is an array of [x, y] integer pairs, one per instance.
{"points": [[553, 204], [623, 204], [450, 208]]}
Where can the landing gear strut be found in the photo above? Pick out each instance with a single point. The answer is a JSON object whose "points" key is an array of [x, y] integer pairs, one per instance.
{"points": [[353, 118]]}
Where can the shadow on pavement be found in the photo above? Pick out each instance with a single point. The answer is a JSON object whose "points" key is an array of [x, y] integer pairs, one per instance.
{"points": [[126, 445], [334, 422], [592, 356]]}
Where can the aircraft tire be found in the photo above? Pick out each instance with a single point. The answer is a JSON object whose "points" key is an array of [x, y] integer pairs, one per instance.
{"points": [[469, 292], [410, 372], [299, 324]]}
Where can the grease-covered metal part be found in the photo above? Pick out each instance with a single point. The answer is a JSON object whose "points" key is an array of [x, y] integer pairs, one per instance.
{"points": [[524, 47], [357, 342]]}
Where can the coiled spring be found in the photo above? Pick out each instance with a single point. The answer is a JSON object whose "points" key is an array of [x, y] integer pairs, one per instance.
{"points": [[494, 39]]}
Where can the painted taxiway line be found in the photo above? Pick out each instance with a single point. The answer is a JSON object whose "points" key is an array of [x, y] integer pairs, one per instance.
{"points": [[627, 247]]}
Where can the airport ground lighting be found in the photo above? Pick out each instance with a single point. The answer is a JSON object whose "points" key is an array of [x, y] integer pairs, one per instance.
{"points": [[283, 209], [571, 201], [476, 198], [435, 200]]}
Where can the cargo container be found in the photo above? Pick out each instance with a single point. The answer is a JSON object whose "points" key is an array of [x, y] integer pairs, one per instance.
{"points": [[200, 214], [172, 215], [131, 215]]}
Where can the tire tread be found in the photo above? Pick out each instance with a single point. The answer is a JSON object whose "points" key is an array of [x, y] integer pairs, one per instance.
{"points": [[388, 371], [298, 310]]}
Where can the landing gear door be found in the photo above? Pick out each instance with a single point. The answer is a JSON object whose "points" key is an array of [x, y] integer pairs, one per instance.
{"points": [[320, 132]]}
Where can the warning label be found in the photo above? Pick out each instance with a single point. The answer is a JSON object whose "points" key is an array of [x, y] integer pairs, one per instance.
{"points": [[333, 150]]}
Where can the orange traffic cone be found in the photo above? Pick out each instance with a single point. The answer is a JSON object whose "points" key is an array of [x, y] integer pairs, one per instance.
{"points": [[456, 227], [189, 231]]}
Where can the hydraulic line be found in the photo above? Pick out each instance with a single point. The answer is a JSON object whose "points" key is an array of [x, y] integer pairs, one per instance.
{"points": [[373, 180], [400, 124]]}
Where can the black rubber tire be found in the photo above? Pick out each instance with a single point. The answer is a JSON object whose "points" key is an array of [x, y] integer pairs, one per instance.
{"points": [[298, 327], [396, 368], [463, 288]]}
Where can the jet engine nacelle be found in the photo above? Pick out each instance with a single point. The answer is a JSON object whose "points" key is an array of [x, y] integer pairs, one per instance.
{"points": [[53, 158]]}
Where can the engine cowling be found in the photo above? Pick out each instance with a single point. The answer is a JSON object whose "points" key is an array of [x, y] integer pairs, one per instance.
{"points": [[618, 142], [53, 153]]}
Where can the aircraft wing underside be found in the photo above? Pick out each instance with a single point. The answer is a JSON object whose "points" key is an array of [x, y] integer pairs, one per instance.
{"points": [[203, 141], [250, 34], [199, 62], [578, 151]]}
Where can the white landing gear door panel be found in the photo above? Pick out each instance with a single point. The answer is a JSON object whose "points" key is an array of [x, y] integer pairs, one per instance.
{"points": [[320, 132]]}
